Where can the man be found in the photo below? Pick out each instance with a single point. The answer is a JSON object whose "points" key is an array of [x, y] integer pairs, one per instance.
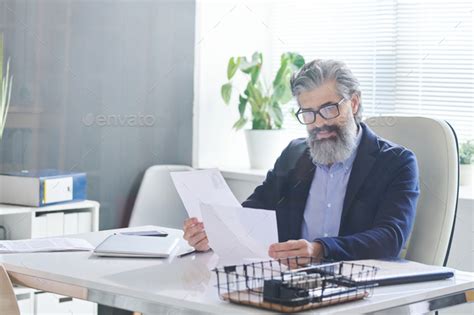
{"points": [[342, 193]]}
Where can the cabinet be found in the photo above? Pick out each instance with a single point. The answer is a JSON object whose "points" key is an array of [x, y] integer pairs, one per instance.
{"points": [[20, 222]]}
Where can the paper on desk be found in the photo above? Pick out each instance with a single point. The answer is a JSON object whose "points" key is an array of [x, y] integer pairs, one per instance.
{"points": [[237, 233], [202, 186], [45, 245]]}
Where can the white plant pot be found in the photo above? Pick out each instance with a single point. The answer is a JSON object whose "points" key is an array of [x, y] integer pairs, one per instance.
{"points": [[466, 175], [265, 146]]}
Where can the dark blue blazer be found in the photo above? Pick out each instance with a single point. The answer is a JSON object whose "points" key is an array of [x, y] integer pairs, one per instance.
{"points": [[379, 205]]}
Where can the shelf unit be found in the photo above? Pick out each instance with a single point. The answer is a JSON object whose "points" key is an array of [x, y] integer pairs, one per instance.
{"points": [[22, 223]]}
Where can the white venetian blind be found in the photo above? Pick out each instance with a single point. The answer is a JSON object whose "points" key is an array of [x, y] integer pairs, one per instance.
{"points": [[411, 57], [435, 62]]}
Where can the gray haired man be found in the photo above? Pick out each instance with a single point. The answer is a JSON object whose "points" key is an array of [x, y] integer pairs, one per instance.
{"points": [[342, 193]]}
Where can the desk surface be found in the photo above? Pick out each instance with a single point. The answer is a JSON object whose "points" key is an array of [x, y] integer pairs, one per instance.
{"points": [[181, 284]]}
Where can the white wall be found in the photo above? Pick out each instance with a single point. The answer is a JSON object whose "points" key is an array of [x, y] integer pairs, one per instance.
{"points": [[215, 143]]}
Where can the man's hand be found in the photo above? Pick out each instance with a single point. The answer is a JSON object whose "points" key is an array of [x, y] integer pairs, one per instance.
{"points": [[195, 234], [293, 248]]}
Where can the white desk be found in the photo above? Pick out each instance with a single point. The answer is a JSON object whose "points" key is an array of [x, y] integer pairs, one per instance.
{"points": [[186, 284]]}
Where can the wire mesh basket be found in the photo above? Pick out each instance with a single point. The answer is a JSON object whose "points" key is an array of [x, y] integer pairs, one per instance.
{"points": [[275, 286]]}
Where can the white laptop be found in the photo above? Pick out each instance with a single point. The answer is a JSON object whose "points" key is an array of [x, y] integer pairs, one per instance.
{"points": [[120, 245]]}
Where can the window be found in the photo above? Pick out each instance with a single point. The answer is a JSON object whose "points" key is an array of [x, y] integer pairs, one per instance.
{"points": [[411, 57]]}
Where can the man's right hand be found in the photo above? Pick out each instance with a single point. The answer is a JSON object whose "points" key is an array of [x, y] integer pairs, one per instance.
{"points": [[195, 234]]}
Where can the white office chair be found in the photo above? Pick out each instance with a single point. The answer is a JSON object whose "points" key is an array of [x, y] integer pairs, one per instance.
{"points": [[158, 202], [8, 304], [435, 146]]}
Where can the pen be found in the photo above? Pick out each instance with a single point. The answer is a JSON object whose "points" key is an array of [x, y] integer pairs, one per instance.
{"points": [[193, 252], [187, 253], [146, 233]]}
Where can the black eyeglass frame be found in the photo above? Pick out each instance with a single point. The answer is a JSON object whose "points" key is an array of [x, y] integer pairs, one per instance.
{"points": [[316, 112]]}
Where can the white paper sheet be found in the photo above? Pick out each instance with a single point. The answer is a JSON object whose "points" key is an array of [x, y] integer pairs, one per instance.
{"points": [[202, 186], [237, 233], [44, 245]]}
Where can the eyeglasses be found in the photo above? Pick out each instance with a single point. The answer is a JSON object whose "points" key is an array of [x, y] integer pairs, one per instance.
{"points": [[327, 111]]}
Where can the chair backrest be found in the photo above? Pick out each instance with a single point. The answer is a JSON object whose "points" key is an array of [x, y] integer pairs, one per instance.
{"points": [[8, 304], [158, 202], [435, 146]]}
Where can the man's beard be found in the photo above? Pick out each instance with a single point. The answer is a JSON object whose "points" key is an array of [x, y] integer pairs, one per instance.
{"points": [[335, 148]]}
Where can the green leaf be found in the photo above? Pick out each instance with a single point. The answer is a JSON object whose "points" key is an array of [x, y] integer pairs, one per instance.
{"points": [[245, 66], [289, 62], [255, 96], [232, 67], [226, 92], [265, 108], [283, 75], [242, 105], [254, 73], [248, 67], [246, 92], [277, 115], [282, 94], [258, 123], [293, 58], [285, 57], [239, 124], [261, 121], [257, 58], [297, 60], [466, 152]]}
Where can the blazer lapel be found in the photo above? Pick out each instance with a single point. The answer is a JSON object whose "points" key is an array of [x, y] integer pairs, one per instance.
{"points": [[300, 182], [363, 163]]}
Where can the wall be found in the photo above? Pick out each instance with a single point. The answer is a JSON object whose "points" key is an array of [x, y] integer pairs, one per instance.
{"points": [[104, 87], [243, 27]]}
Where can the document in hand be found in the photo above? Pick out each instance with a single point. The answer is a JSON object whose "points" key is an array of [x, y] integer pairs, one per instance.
{"points": [[45, 245], [202, 186], [237, 233]]}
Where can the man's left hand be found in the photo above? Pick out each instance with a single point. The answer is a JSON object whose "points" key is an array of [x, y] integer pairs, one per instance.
{"points": [[301, 248]]}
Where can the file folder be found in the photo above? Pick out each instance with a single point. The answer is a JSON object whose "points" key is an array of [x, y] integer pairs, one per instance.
{"points": [[41, 188]]}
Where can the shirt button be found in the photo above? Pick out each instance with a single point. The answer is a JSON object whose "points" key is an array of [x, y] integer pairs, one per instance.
{"points": [[329, 205], [325, 234], [331, 175]]}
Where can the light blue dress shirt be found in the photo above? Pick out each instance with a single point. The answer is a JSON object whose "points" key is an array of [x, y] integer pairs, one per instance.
{"points": [[323, 210]]}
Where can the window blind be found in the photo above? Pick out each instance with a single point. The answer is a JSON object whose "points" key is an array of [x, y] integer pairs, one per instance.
{"points": [[411, 57]]}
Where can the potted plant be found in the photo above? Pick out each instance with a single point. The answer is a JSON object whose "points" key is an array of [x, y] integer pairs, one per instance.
{"points": [[5, 89], [261, 105], [466, 155]]}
